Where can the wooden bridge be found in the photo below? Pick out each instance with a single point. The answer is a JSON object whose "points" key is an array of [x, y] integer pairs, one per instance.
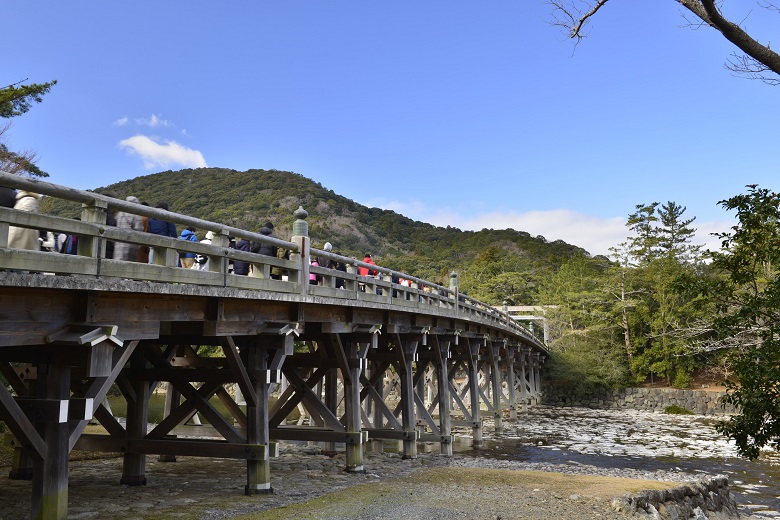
{"points": [[73, 326]]}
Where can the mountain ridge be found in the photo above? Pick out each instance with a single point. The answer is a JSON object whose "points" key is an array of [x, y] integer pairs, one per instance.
{"points": [[250, 198]]}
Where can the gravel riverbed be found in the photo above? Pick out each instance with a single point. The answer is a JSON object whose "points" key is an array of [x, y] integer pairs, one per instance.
{"points": [[560, 463]]}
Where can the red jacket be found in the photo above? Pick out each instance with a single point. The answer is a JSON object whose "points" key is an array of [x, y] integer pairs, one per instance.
{"points": [[365, 271]]}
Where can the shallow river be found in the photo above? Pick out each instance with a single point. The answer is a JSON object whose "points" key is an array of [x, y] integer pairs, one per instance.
{"points": [[630, 439]]}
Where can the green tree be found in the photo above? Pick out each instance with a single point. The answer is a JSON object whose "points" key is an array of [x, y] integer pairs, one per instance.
{"points": [[675, 233], [574, 293], [496, 276], [619, 285], [661, 252], [15, 100], [748, 304], [585, 339], [643, 245]]}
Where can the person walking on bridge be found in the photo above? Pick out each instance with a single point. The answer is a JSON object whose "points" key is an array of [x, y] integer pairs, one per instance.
{"points": [[7, 197], [339, 266], [187, 259], [161, 227], [24, 238], [262, 248], [365, 271], [124, 220]]}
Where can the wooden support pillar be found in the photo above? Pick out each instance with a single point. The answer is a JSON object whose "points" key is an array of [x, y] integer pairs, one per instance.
{"points": [[533, 367], [258, 471], [331, 401], [172, 400], [473, 382], [510, 372], [537, 373], [137, 396], [420, 388], [495, 381], [442, 356], [524, 352], [377, 373], [50, 473], [264, 362], [379, 388], [354, 447], [407, 353]]}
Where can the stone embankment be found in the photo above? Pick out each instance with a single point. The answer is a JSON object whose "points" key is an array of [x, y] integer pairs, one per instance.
{"points": [[701, 402], [708, 498]]}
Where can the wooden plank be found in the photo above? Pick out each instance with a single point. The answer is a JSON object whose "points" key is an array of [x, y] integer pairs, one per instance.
{"points": [[392, 434], [314, 434], [201, 430], [183, 447], [183, 375], [44, 410]]}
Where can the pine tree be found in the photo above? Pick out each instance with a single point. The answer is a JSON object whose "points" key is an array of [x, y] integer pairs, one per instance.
{"points": [[16, 100]]}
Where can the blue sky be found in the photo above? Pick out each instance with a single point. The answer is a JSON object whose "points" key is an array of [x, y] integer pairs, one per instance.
{"points": [[469, 114]]}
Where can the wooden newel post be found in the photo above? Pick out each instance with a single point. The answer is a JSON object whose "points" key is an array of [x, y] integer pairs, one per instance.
{"points": [[300, 237], [454, 288], [94, 213]]}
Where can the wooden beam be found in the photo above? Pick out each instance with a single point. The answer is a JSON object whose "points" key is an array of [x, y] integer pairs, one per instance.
{"points": [[99, 388], [183, 447], [19, 424], [242, 377], [310, 433]]}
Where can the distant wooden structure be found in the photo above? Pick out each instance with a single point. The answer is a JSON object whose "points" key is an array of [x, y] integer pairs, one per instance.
{"points": [[72, 326]]}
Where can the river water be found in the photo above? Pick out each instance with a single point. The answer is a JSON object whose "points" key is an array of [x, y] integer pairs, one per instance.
{"points": [[621, 441]]}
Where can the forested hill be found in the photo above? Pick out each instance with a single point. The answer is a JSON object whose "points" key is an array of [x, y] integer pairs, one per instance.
{"points": [[248, 199]]}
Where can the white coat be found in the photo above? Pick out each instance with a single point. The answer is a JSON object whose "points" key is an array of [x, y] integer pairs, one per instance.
{"points": [[23, 238]]}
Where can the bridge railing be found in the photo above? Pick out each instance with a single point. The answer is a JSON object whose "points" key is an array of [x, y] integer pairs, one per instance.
{"points": [[93, 235]]}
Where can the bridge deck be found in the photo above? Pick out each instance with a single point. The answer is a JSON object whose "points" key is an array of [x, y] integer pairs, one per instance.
{"points": [[74, 326]]}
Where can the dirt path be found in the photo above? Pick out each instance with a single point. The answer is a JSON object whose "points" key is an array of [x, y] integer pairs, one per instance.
{"points": [[450, 493]]}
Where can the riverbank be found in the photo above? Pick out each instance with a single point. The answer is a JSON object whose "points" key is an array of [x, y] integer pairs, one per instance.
{"points": [[308, 483], [557, 463]]}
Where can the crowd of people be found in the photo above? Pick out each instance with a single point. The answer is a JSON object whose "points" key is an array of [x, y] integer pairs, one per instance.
{"points": [[31, 239]]}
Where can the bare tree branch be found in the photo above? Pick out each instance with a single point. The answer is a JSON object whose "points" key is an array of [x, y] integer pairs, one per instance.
{"points": [[758, 62], [573, 19]]}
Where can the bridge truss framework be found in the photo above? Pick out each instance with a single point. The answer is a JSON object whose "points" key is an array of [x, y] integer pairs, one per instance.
{"points": [[374, 360]]}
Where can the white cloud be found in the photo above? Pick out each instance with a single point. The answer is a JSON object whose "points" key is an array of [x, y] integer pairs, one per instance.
{"points": [[122, 121], [162, 154], [704, 232], [153, 121]]}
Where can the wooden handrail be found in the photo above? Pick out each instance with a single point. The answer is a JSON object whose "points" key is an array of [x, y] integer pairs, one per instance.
{"points": [[91, 259]]}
